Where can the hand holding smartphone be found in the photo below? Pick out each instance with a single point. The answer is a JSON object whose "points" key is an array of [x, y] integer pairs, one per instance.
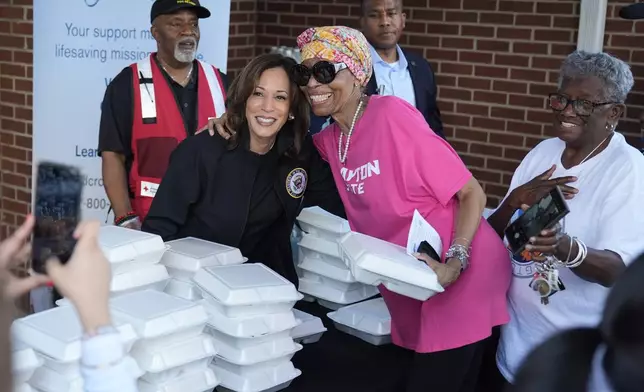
{"points": [[57, 211], [542, 215]]}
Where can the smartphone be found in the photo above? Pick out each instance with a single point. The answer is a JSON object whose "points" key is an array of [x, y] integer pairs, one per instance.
{"points": [[542, 215], [57, 212]]}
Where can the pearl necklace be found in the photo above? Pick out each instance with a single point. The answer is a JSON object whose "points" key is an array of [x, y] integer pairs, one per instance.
{"points": [[342, 157]]}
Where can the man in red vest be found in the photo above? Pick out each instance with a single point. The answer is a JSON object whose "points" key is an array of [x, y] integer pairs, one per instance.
{"points": [[152, 105]]}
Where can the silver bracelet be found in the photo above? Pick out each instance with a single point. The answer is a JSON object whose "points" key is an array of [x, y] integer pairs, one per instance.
{"points": [[460, 253]]}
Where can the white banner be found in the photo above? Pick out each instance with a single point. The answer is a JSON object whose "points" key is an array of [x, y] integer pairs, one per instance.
{"points": [[79, 46]]}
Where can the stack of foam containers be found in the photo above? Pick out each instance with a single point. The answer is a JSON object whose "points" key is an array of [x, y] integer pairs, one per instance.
{"points": [[55, 335], [374, 262], [368, 320], [173, 351], [251, 319], [24, 363], [188, 255], [321, 270], [134, 256]]}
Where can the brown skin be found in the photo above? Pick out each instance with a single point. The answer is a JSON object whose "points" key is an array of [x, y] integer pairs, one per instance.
{"points": [[600, 266], [168, 31], [382, 23]]}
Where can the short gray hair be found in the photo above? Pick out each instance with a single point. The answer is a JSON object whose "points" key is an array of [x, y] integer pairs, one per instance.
{"points": [[615, 74]]}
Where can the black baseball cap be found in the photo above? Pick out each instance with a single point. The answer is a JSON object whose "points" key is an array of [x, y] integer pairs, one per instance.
{"points": [[632, 12], [166, 7]]}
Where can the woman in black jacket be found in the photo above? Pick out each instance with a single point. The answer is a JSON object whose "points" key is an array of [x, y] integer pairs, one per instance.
{"points": [[247, 191]]}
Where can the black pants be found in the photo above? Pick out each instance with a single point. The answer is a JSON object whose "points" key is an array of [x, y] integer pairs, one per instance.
{"points": [[455, 370], [490, 378]]}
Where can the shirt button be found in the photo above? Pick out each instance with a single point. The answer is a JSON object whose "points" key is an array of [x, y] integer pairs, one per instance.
{"points": [[185, 105]]}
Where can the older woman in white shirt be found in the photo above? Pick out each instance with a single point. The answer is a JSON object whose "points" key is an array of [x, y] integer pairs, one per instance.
{"points": [[603, 178], [85, 281]]}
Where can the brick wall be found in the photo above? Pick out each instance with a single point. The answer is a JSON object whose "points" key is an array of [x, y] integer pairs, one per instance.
{"points": [[495, 61]]}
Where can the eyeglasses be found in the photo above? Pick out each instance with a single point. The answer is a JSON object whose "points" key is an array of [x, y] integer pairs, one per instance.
{"points": [[323, 71], [581, 107]]}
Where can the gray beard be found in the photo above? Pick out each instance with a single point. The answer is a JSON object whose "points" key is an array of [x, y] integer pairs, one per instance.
{"points": [[183, 56]]}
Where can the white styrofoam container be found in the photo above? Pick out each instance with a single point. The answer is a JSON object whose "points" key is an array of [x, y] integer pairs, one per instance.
{"points": [[250, 326], [199, 381], [270, 378], [67, 369], [374, 262], [24, 362], [159, 358], [47, 380], [153, 277], [321, 288], [369, 321], [249, 351], [320, 223], [191, 254], [246, 289], [57, 333], [160, 318], [177, 372], [128, 249], [329, 304], [183, 289], [331, 282], [310, 329], [310, 245], [23, 388], [327, 267]]}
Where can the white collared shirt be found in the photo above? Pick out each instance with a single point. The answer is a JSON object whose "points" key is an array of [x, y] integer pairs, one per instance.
{"points": [[393, 79]]}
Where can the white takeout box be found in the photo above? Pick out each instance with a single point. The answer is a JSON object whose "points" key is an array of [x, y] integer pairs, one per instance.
{"points": [[160, 318], [369, 321], [374, 262], [177, 372], [246, 289], [310, 329], [128, 249], [48, 380], [57, 333], [188, 255], [152, 277], [329, 267], [250, 351], [249, 326], [272, 378], [332, 291], [186, 290], [328, 228], [24, 362], [161, 358], [200, 381], [312, 244]]}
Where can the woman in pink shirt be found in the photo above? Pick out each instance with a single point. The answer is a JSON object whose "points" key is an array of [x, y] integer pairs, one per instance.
{"points": [[387, 163]]}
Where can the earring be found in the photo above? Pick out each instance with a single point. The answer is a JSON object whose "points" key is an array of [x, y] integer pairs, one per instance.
{"points": [[291, 117], [610, 127]]}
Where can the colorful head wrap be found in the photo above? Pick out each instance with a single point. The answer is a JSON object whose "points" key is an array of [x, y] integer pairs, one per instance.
{"points": [[338, 44]]}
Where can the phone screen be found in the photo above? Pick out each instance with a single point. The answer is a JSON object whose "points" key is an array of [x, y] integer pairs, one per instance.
{"points": [[57, 213], [542, 215]]}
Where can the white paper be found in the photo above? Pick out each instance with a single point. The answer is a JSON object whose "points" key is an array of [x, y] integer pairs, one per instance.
{"points": [[420, 231]]}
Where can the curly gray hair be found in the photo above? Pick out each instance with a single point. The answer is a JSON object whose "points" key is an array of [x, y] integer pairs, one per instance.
{"points": [[615, 74]]}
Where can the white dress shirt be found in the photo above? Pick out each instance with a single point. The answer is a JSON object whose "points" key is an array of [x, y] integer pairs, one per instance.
{"points": [[393, 79]]}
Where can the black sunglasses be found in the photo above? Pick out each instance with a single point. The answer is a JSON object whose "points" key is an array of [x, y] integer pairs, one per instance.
{"points": [[582, 107], [323, 71]]}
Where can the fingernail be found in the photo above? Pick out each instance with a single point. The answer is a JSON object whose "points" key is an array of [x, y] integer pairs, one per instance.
{"points": [[416, 254], [545, 232], [528, 247], [532, 239], [50, 284]]}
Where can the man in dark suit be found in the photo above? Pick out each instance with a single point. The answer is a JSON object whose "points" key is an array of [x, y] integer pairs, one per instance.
{"points": [[396, 71]]}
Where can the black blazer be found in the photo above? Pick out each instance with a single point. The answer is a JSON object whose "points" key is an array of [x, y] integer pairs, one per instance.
{"points": [[425, 89], [206, 193], [422, 77]]}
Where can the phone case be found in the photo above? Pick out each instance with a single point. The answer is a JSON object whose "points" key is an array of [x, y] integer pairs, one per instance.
{"points": [[429, 250]]}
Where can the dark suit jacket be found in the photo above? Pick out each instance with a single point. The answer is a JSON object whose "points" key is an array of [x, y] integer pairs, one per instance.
{"points": [[422, 77]]}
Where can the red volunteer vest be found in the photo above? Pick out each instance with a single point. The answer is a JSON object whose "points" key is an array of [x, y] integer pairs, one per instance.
{"points": [[158, 125]]}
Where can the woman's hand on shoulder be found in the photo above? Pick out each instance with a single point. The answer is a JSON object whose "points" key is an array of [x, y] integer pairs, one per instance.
{"points": [[533, 190], [447, 273], [218, 125]]}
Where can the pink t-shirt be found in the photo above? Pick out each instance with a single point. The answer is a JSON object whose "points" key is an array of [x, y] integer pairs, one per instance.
{"points": [[395, 165]]}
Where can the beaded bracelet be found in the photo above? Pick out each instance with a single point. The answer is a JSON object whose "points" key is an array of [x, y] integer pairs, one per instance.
{"points": [[118, 221]]}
